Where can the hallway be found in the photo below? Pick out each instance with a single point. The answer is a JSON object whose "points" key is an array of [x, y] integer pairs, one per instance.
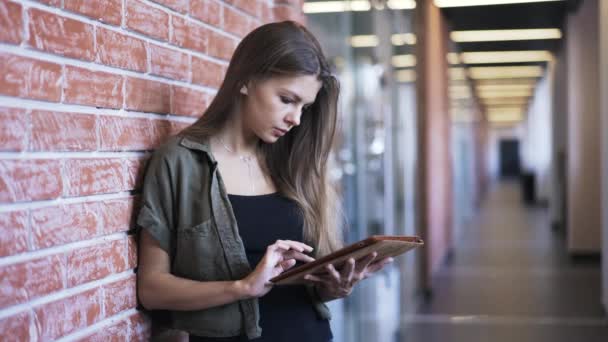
{"points": [[510, 279]]}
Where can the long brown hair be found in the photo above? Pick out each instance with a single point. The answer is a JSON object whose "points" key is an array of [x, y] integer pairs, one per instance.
{"points": [[297, 163]]}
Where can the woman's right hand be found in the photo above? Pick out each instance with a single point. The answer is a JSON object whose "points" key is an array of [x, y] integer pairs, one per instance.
{"points": [[279, 257]]}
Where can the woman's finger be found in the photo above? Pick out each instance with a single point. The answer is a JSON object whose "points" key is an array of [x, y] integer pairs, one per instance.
{"points": [[296, 245], [366, 262], [335, 276], [287, 264], [298, 256], [348, 270], [377, 266]]}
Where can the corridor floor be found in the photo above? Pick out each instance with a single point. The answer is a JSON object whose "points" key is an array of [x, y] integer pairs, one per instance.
{"points": [[510, 279]]}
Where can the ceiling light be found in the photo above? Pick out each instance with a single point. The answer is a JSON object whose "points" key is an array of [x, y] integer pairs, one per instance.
{"points": [[404, 61], [453, 58], [512, 81], [335, 6], [401, 4], [505, 101], [510, 93], [457, 74], [466, 3], [505, 87], [504, 35], [369, 40], [353, 5], [406, 76], [505, 72], [403, 39], [505, 117], [489, 57]]}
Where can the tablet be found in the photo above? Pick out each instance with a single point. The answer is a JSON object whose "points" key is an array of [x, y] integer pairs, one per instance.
{"points": [[384, 245]]}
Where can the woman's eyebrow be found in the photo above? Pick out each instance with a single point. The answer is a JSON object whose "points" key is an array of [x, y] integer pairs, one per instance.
{"points": [[296, 96]]}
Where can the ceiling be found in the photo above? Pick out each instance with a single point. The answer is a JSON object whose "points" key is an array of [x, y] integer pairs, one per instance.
{"points": [[508, 17]]}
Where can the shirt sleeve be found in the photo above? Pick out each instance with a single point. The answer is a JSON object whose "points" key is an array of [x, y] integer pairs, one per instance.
{"points": [[156, 214]]}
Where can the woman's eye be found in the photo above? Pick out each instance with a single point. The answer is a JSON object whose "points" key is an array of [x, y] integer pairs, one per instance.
{"points": [[286, 99]]}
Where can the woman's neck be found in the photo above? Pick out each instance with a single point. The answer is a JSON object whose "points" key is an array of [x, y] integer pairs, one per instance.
{"points": [[236, 138]]}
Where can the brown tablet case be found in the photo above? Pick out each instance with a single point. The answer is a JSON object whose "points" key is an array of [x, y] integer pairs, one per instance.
{"points": [[385, 246]]}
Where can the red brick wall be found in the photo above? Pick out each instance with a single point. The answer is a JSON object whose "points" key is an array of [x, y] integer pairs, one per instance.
{"points": [[87, 89]]}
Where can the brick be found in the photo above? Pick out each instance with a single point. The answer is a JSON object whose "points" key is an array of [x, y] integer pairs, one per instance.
{"points": [[132, 252], [11, 22], [236, 22], [141, 327], [29, 280], [189, 35], [135, 172], [117, 332], [120, 296], [125, 134], [285, 12], [148, 20], [96, 262], [221, 46], [209, 11], [55, 3], [147, 96], [93, 88], [169, 63], [267, 15], [119, 50], [177, 5], [207, 73], [93, 176], [186, 101], [30, 180], [117, 215], [19, 327], [55, 131], [29, 78], [67, 315], [177, 126], [13, 131], [64, 36], [107, 11], [13, 232], [58, 225], [253, 7], [162, 130]]}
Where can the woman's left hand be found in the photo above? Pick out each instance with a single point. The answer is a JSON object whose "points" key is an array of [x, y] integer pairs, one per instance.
{"points": [[336, 284]]}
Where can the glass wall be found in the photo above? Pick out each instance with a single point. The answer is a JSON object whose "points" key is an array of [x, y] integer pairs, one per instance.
{"points": [[371, 47]]}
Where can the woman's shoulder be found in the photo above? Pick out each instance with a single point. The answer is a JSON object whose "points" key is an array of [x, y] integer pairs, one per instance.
{"points": [[177, 150]]}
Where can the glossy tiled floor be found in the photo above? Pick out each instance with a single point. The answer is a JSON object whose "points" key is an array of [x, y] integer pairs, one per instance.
{"points": [[510, 279]]}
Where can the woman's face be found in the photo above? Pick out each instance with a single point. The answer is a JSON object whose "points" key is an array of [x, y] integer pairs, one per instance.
{"points": [[273, 106]]}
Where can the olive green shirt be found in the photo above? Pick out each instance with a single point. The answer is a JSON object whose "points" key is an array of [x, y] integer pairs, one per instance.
{"points": [[185, 207]]}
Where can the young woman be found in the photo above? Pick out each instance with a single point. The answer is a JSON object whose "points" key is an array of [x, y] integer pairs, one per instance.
{"points": [[243, 194]]}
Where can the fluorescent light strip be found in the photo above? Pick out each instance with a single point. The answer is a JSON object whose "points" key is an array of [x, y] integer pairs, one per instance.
{"points": [[354, 5], [466, 3], [401, 4], [453, 58], [512, 93], [400, 39], [513, 101], [457, 74], [406, 76], [404, 61], [505, 87], [507, 82], [371, 40], [488, 57], [505, 72], [505, 35], [364, 41]]}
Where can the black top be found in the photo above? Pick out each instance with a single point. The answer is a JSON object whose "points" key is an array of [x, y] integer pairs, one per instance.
{"points": [[286, 312]]}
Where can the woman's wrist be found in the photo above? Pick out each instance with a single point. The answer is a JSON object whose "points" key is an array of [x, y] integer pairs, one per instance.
{"points": [[241, 289]]}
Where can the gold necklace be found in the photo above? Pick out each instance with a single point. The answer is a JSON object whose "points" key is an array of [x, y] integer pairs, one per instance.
{"points": [[246, 159]]}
